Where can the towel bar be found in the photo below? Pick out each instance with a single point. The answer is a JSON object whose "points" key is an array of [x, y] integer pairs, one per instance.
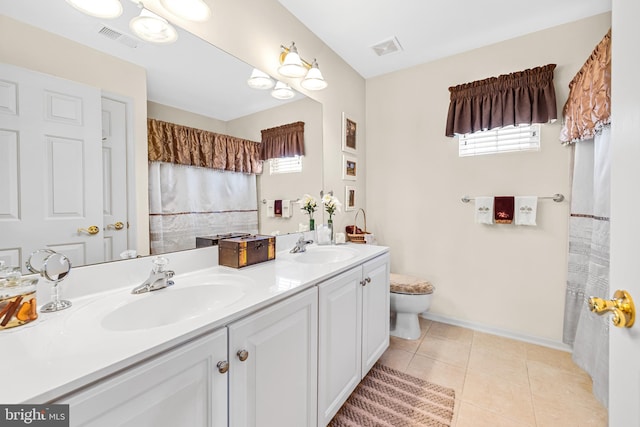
{"points": [[264, 201], [556, 198]]}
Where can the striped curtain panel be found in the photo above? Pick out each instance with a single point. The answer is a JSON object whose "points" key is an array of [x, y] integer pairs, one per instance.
{"points": [[588, 262]]}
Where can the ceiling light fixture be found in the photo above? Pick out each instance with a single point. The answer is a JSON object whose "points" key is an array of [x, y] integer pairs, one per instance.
{"points": [[192, 10], [292, 65], [152, 28], [282, 91], [314, 79], [260, 80], [107, 9]]}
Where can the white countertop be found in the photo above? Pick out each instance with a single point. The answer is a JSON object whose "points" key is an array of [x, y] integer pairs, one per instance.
{"points": [[63, 351]]}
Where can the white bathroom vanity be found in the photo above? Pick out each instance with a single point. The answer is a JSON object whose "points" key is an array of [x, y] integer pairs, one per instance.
{"points": [[279, 343]]}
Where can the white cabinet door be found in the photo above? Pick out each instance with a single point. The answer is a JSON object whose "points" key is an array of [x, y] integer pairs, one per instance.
{"points": [[276, 384], [180, 388], [339, 341], [375, 311]]}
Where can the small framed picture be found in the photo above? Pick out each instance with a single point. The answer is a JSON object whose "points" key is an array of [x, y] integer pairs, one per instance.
{"points": [[349, 134], [349, 198], [349, 167]]}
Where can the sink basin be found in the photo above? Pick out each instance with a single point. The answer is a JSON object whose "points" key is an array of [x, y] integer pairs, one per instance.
{"points": [[325, 255], [170, 305]]}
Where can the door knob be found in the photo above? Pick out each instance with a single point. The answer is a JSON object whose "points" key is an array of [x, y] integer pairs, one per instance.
{"points": [[223, 366], [243, 355], [93, 229], [117, 226], [622, 307]]}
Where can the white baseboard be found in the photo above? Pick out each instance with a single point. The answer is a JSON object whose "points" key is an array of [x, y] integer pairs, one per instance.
{"points": [[499, 332]]}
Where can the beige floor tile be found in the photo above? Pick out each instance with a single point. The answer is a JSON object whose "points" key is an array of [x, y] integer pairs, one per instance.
{"points": [[552, 357], [396, 359], [450, 332], [456, 409], [474, 416], [499, 345], [497, 364], [452, 352], [403, 344], [506, 398], [552, 413], [558, 385], [437, 372]]}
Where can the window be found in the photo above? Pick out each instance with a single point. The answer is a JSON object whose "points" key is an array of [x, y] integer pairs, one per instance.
{"points": [[501, 140], [285, 165]]}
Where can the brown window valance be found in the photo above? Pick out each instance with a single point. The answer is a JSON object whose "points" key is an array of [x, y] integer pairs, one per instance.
{"points": [[172, 143], [283, 141], [588, 107], [524, 97]]}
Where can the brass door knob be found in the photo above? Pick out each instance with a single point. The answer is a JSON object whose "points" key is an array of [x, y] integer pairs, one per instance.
{"points": [[622, 307], [117, 226], [93, 229], [243, 355], [223, 366]]}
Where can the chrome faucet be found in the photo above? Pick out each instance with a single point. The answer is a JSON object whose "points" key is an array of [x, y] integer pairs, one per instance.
{"points": [[301, 245], [158, 279]]}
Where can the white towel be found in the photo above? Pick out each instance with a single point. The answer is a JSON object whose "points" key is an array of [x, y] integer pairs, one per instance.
{"points": [[526, 208], [271, 208], [484, 210]]}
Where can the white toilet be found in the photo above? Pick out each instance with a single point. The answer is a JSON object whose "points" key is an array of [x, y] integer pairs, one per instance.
{"points": [[410, 296]]}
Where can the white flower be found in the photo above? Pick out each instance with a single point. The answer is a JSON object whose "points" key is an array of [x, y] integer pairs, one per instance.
{"points": [[331, 204], [308, 204]]}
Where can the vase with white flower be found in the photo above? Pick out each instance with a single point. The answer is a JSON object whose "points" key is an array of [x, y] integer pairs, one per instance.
{"points": [[332, 206], [309, 205]]}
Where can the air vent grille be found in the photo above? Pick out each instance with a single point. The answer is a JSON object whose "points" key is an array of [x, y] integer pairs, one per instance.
{"points": [[386, 47], [116, 35]]}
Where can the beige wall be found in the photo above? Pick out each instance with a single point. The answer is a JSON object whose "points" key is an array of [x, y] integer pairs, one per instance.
{"points": [[286, 186], [502, 277], [29, 47], [185, 118], [253, 31]]}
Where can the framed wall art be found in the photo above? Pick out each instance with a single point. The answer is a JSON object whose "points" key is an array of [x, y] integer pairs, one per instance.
{"points": [[349, 198], [349, 167], [349, 134]]}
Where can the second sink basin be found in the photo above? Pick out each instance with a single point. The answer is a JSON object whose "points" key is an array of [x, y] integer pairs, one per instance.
{"points": [[171, 305], [325, 254]]}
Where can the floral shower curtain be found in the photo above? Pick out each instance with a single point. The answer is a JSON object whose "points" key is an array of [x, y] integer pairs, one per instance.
{"points": [[587, 123]]}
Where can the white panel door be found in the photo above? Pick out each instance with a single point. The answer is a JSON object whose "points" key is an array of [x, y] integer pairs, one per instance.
{"points": [[375, 311], [114, 179], [276, 384], [339, 341], [180, 388], [624, 345], [51, 166]]}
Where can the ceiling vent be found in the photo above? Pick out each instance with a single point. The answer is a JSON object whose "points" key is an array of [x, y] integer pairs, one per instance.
{"points": [[116, 35], [386, 47]]}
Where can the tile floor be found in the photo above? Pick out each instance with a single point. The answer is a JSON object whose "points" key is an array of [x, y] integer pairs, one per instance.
{"points": [[498, 381]]}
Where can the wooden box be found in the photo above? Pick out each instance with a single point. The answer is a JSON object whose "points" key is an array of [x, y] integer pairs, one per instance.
{"points": [[240, 252]]}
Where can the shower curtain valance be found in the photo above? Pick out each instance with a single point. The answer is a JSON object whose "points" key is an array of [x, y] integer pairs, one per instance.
{"points": [[182, 145], [523, 97], [283, 141], [588, 107]]}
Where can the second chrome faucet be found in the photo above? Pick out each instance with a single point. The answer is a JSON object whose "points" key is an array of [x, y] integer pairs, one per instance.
{"points": [[159, 278]]}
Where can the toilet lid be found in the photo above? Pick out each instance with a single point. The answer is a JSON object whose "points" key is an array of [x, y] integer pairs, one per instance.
{"points": [[401, 284]]}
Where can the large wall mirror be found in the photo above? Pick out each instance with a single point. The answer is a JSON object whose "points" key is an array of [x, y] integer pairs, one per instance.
{"points": [[189, 82]]}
